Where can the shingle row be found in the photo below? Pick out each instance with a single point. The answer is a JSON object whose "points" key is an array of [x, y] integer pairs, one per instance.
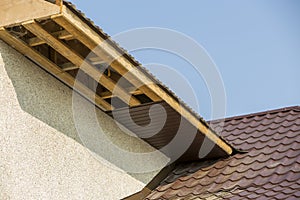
{"points": [[269, 170]]}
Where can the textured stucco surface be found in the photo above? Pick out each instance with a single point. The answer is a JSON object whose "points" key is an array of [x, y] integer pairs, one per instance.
{"points": [[42, 156]]}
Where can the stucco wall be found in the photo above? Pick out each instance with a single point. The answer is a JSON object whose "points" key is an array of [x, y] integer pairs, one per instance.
{"points": [[42, 155]]}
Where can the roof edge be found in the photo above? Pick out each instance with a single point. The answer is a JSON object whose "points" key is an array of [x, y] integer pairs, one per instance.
{"points": [[181, 107], [271, 111]]}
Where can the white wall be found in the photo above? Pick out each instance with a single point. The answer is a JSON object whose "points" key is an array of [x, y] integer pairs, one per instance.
{"points": [[42, 156]]}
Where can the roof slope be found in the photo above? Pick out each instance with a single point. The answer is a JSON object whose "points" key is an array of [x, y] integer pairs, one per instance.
{"points": [[269, 169]]}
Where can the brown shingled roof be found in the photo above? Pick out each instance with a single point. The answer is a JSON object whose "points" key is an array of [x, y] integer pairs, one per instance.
{"points": [[270, 168]]}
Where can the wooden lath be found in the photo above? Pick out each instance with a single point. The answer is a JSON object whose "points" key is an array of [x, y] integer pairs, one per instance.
{"points": [[108, 95], [77, 60], [97, 60], [53, 69], [69, 66], [92, 40], [62, 35]]}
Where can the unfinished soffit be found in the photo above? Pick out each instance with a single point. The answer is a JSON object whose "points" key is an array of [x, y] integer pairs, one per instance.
{"points": [[62, 41]]}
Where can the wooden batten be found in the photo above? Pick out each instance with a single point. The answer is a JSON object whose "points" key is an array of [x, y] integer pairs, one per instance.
{"points": [[69, 66], [62, 35], [49, 66], [77, 60], [96, 60], [93, 41], [108, 95]]}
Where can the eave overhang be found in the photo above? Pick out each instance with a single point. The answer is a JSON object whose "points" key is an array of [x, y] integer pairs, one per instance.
{"points": [[64, 43]]}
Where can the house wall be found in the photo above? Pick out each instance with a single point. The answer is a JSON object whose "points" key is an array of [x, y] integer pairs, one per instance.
{"points": [[46, 154]]}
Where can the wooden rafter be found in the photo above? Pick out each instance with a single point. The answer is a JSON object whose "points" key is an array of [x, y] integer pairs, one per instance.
{"points": [[62, 35], [53, 69], [84, 34], [68, 66], [91, 39], [108, 95], [77, 60], [96, 61]]}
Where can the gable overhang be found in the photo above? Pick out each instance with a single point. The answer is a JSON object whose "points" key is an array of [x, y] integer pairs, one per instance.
{"points": [[58, 38]]}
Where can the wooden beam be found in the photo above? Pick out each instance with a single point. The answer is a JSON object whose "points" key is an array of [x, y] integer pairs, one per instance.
{"points": [[62, 35], [49, 66], [96, 60], [91, 39], [107, 94], [69, 66], [76, 59]]}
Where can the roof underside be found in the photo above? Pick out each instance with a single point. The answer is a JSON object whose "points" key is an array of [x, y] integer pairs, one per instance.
{"points": [[57, 37], [176, 137]]}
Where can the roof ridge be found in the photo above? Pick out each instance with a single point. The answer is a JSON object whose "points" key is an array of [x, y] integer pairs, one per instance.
{"points": [[272, 111]]}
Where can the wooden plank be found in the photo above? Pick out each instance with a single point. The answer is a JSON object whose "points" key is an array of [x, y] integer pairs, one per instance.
{"points": [[49, 66], [91, 39], [69, 66], [17, 11], [76, 59], [107, 94], [62, 35], [96, 60]]}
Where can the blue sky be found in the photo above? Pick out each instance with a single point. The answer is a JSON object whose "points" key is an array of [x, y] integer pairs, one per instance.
{"points": [[255, 45]]}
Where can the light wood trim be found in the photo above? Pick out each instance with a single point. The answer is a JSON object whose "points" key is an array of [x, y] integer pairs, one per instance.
{"points": [[62, 35], [76, 59], [49, 66], [68, 66], [96, 60], [91, 39], [107, 94]]}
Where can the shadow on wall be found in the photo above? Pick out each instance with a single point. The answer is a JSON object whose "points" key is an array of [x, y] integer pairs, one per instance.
{"points": [[47, 99], [39, 94]]}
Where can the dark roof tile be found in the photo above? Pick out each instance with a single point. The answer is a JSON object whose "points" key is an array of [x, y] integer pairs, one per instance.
{"points": [[270, 169]]}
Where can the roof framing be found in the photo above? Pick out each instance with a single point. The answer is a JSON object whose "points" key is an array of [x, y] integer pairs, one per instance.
{"points": [[59, 40]]}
